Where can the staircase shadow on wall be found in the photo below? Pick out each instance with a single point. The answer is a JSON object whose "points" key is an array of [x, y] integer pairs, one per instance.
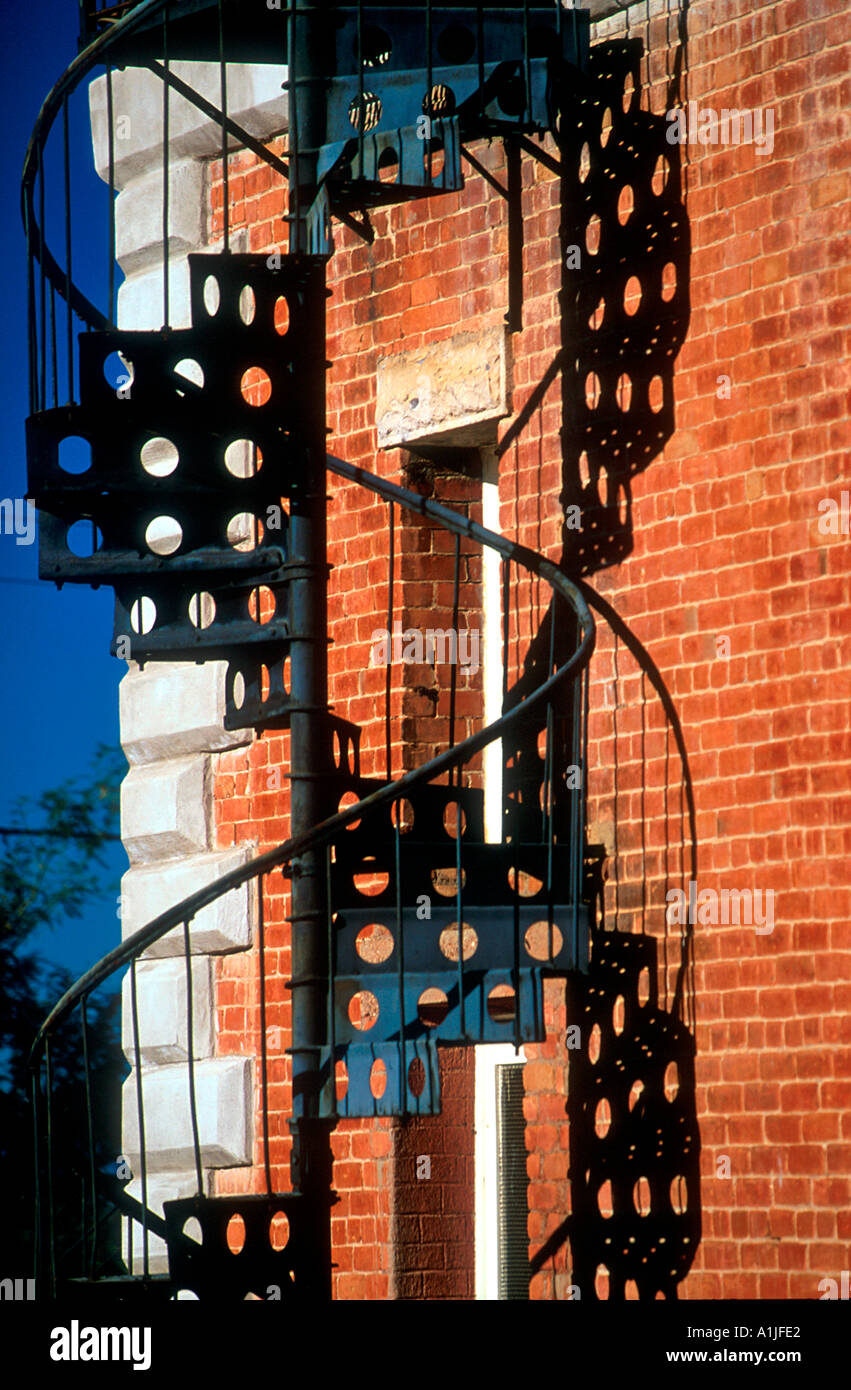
{"points": [[634, 1219]]}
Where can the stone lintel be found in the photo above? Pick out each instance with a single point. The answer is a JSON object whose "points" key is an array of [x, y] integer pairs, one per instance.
{"points": [[451, 393]]}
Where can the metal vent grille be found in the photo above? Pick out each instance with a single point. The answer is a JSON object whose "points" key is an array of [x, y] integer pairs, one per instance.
{"points": [[512, 1183]]}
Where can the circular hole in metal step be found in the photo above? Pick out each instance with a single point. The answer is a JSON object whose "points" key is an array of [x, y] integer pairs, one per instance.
{"points": [[363, 1010], [164, 535], [75, 454], [212, 295], [159, 457], [378, 1078], [374, 943], [279, 1230], [235, 1234], [543, 941], [448, 941], [432, 1007], [247, 304], [83, 539], [502, 1004], [202, 609], [143, 615]]}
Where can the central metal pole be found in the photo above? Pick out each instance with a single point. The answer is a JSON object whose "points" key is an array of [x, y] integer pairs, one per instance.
{"points": [[311, 1161]]}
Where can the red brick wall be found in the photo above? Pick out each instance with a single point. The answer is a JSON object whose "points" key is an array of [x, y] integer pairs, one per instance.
{"points": [[727, 544], [722, 507]]}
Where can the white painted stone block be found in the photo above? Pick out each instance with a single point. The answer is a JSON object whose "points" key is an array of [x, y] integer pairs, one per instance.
{"points": [[172, 709], [256, 101], [452, 392], [162, 1011], [139, 216], [165, 809], [140, 298], [224, 1092], [162, 1187], [226, 925]]}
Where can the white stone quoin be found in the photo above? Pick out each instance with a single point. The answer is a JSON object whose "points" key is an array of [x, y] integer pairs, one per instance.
{"points": [[224, 1093], [225, 925], [162, 1011], [166, 809], [174, 708], [172, 713]]}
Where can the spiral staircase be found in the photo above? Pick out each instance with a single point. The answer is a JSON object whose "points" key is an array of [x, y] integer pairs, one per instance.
{"points": [[518, 909]]}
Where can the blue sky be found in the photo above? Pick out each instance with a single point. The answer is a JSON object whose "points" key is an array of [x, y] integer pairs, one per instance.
{"points": [[59, 683]]}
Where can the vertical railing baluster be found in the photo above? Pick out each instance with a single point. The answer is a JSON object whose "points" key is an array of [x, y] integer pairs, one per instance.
{"points": [[110, 135], [361, 103], [643, 811], [430, 102], [294, 197], [480, 46], [332, 976], [505, 566], [84, 1025], [166, 190], [515, 969], [684, 884], [140, 1110], [515, 803], [54, 376], [549, 785], [453, 674], [264, 1047], [575, 744], [388, 679], [583, 767], [223, 83], [527, 61], [32, 343], [42, 389], [616, 778], [666, 813], [38, 1253], [459, 908], [666, 823], [130, 1243], [68, 266], [579, 745], [190, 1058], [51, 1233], [400, 958], [429, 61]]}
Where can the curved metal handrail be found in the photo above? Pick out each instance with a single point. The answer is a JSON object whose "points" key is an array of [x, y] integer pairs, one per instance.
{"points": [[50, 107], [326, 830]]}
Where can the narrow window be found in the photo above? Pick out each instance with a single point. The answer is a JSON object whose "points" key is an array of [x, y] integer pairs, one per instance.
{"points": [[512, 1183]]}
